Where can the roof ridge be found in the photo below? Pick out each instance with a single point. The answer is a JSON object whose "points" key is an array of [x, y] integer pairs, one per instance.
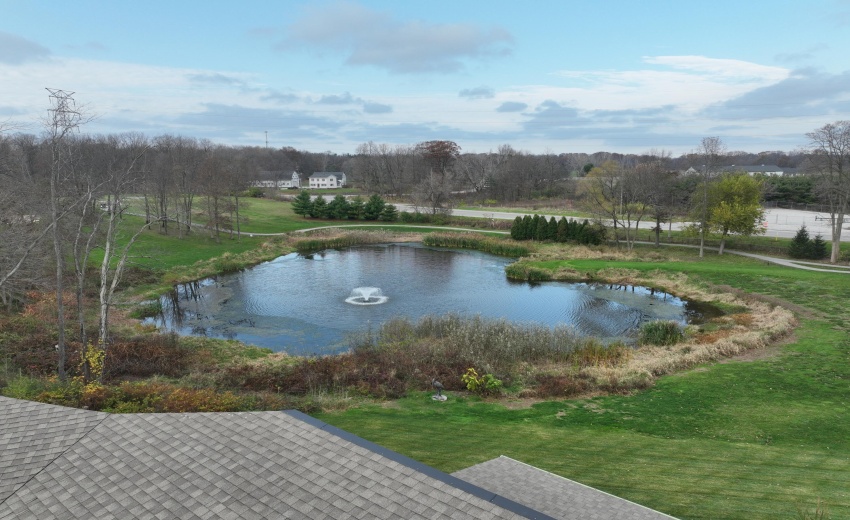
{"points": [[484, 494], [106, 415], [580, 484]]}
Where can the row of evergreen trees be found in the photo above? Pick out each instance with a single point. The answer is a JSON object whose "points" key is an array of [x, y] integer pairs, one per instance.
{"points": [[538, 228], [341, 208], [804, 247]]}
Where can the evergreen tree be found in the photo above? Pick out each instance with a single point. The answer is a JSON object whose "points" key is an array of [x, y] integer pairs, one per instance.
{"points": [[319, 208], [552, 229], [527, 229], [818, 248], [390, 213], [534, 229], [338, 208], [563, 229], [516, 229], [355, 208], [542, 228], [302, 205], [373, 207], [800, 244]]}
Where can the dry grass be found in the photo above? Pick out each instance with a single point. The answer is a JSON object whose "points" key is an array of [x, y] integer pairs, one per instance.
{"points": [[759, 328]]}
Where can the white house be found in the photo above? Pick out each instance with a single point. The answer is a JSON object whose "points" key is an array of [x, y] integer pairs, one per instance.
{"points": [[278, 179], [327, 180]]}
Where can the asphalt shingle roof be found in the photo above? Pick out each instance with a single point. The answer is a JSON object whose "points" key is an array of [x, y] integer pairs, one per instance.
{"points": [[65, 463], [551, 494]]}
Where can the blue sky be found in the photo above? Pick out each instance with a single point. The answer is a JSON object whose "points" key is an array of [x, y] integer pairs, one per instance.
{"points": [[543, 76]]}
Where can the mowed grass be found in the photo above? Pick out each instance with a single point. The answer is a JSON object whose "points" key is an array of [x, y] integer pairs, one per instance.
{"points": [[745, 439], [750, 439]]}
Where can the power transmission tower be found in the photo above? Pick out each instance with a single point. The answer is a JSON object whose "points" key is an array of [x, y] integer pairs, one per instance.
{"points": [[64, 114]]}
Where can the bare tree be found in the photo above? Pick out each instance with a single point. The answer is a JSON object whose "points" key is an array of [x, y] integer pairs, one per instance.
{"points": [[711, 152], [829, 162], [121, 172], [22, 218], [64, 119]]}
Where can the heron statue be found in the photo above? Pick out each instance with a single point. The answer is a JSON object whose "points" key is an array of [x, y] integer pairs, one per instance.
{"points": [[438, 386]]}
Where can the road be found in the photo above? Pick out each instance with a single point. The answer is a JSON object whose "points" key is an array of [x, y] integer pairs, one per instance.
{"points": [[779, 222]]}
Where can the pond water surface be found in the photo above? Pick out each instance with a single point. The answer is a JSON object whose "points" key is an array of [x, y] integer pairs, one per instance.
{"points": [[297, 304]]}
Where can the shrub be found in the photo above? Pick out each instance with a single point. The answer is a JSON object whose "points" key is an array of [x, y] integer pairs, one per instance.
{"points": [[660, 332], [480, 384], [490, 245], [525, 272]]}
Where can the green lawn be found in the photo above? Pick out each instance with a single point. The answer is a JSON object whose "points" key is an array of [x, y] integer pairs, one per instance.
{"points": [[744, 439]]}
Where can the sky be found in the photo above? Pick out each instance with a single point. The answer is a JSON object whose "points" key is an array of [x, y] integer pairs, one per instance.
{"points": [[544, 76]]}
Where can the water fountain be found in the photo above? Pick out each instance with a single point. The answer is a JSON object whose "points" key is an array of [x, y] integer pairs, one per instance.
{"points": [[366, 296]]}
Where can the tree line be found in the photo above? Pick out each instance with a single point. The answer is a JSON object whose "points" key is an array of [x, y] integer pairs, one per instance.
{"points": [[563, 230], [63, 194], [341, 208]]}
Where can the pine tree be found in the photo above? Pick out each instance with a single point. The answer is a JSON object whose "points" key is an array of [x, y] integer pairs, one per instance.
{"points": [[373, 208], [319, 209], [390, 213], [801, 244], [355, 208], [302, 205], [563, 230], [542, 227], [516, 229], [338, 208], [552, 229], [818, 248], [527, 229]]}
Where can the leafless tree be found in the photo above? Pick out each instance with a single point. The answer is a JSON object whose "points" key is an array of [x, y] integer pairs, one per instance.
{"points": [[63, 120], [829, 162], [121, 172], [711, 153]]}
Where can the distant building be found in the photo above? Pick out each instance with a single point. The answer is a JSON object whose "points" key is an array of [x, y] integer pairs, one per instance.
{"points": [[762, 169], [321, 180], [278, 179], [753, 169]]}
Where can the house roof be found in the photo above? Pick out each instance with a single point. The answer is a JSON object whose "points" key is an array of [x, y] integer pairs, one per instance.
{"points": [[66, 463], [324, 175], [60, 462], [275, 174], [551, 494]]}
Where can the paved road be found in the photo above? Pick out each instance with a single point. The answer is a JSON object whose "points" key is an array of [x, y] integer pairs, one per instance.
{"points": [[780, 222]]}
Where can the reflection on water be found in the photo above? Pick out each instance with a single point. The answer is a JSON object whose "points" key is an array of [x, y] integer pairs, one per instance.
{"points": [[296, 303]]}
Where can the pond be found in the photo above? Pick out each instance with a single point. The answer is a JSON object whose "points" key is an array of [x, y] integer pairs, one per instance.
{"points": [[298, 303]]}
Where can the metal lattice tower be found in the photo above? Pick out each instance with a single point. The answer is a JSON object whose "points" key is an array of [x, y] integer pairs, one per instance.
{"points": [[64, 113]]}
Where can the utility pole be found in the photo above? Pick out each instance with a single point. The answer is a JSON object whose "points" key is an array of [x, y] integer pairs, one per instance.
{"points": [[267, 139]]}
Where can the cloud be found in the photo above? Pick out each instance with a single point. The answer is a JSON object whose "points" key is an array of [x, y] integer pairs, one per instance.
{"points": [[88, 46], [343, 99], [804, 55], [215, 78], [481, 92], [512, 106], [691, 82], [280, 98], [373, 38], [15, 50], [369, 107], [806, 92], [717, 67], [287, 123], [376, 108]]}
